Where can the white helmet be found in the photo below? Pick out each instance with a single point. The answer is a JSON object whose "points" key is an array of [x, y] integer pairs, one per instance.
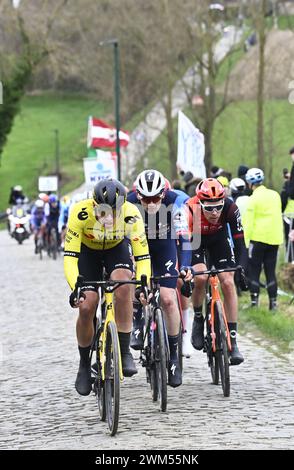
{"points": [[18, 188], [150, 183], [254, 176], [39, 203], [237, 184]]}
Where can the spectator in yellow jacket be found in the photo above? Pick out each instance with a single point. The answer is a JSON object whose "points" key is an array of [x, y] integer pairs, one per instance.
{"points": [[263, 230]]}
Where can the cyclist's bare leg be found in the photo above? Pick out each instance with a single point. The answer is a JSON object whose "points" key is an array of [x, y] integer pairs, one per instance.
{"points": [[123, 301], [198, 294], [186, 318], [124, 319], [230, 296], [231, 309], [85, 326], [168, 299], [200, 285], [169, 303]]}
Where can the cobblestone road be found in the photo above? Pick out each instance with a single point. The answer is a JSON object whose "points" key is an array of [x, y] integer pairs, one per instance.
{"points": [[41, 410]]}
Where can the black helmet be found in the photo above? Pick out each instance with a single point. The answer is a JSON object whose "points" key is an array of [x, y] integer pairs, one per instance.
{"points": [[110, 192]]}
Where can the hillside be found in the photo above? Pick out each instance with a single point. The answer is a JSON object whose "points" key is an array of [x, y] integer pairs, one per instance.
{"points": [[279, 69], [30, 150]]}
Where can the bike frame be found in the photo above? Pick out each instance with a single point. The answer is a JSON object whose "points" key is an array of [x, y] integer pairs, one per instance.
{"points": [[215, 297], [110, 317]]}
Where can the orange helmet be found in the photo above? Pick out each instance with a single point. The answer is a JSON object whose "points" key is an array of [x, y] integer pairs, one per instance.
{"points": [[167, 185], [210, 189]]}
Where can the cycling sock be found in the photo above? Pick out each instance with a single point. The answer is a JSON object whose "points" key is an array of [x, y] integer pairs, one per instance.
{"points": [[198, 311], [173, 347], [233, 331], [85, 354], [124, 342]]}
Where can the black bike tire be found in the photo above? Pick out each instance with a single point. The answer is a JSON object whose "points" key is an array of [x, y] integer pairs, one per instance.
{"points": [[222, 350], [180, 346], [211, 357], [40, 248], [160, 359], [112, 378], [53, 243], [180, 341], [99, 384]]}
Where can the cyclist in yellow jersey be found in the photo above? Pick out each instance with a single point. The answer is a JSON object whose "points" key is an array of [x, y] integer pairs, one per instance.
{"points": [[104, 231]]}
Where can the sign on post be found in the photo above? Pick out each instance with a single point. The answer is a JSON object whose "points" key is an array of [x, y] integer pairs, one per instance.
{"points": [[103, 166], [48, 183]]}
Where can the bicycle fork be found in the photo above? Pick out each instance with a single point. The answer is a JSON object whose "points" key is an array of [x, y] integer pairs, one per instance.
{"points": [[214, 282], [110, 317]]}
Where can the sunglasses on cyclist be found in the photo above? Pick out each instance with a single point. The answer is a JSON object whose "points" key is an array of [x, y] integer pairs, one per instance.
{"points": [[150, 199], [217, 207]]}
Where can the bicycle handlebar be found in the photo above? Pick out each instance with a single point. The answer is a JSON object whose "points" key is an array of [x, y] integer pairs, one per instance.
{"points": [[110, 283], [214, 271]]}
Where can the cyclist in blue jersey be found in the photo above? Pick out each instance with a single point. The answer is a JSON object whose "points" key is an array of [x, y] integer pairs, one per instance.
{"points": [[166, 226], [63, 218], [187, 348], [38, 219], [52, 211]]}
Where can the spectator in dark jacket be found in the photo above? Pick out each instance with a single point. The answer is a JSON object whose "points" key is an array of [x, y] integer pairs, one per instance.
{"points": [[287, 197], [242, 170]]}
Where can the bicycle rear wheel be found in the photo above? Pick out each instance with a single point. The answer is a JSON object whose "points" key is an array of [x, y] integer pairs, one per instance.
{"points": [[53, 243], [112, 378], [40, 246], [160, 357], [222, 350]]}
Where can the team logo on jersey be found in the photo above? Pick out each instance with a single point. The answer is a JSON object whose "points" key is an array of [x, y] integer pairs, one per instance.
{"points": [[169, 264], [75, 234], [83, 215], [131, 219]]}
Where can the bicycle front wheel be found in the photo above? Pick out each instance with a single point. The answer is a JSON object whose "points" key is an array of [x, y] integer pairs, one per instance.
{"points": [[160, 357], [53, 243], [222, 349], [112, 378], [98, 386], [211, 357]]}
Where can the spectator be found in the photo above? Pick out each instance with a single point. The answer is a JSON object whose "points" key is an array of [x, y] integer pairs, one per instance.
{"points": [[238, 188], [225, 182], [242, 170], [215, 171], [176, 184], [287, 196], [191, 183], [263, 229]]}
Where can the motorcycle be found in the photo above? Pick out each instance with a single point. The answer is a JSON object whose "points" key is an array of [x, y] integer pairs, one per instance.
{"points": [[19, 224]]}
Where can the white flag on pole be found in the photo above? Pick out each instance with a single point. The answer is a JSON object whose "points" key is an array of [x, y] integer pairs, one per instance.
{"points": [[191, 148]]}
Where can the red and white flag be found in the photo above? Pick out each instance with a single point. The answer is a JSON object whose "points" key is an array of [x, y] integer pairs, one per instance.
{"points": [[101, 134]]}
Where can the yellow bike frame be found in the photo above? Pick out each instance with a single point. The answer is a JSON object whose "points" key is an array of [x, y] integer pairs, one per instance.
{"points": [[110, 317]]}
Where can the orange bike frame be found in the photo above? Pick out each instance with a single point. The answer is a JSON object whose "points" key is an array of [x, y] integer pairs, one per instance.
{"points": [[215, 297]]}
